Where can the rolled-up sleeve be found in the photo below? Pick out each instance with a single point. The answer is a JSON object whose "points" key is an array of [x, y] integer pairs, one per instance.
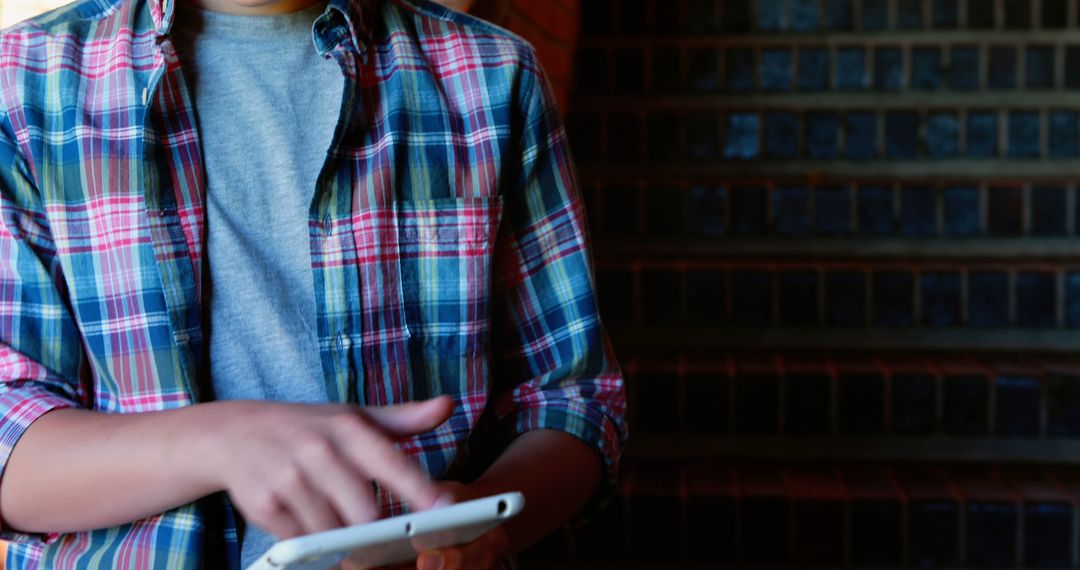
{"points": [[40, 347], [555, 364]]}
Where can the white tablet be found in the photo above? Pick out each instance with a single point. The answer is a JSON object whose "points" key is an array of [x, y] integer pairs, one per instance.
{"points": [[393, 540]]}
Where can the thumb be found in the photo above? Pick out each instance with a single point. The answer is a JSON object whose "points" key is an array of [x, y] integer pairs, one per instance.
{"points": [[411, 418]]}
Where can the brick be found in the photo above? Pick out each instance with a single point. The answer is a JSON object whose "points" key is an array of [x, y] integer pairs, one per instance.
{"points": [[705, 297], [946, 14], [1036, 299], [662, 291], [875, 211], [739, 69], [1064, 134], [860, 131], [615, 293], [876, 517], [605, 537], [748, 206], [832, 211], [819, 516], [629, 73], [964, 68], [1049, 213], [1039, 63], [913, 402], [791, 211], [1017, 14], [933, 523], [781, 136], [707, 402], [656, 409], [846, 298], [888, 69], [632, 16], [918, 212], [799, 297], [940, 293], [772, 15], [667, 72], [1002, 68], [978, 17], [621, 211], [942, 135], [992, 520], [711, 515], [966, 404], [743, 137], [988, 299], [776, 69], [1016, 412], [982, 134], [1005, 211], [901, 134], [807, 395], [624, 137], [766, 514], [927, 70], [703, 70], [1063, 403], [665, 212], [813, 69], [805, 15], [909, 14], [1072, 299], [894, 298], [851, 74], [875, 14], [757, 398], [708, 206], [752, 297], [841, 14], [662, 139], [539, 13], [821, 132], [860, 401], [702, 135], [1047, 521], [961, 211], [655, 513], [1055, 14]]}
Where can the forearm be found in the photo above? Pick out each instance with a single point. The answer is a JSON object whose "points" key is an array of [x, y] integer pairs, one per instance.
{"points": [[76, 470], [556, 472]]}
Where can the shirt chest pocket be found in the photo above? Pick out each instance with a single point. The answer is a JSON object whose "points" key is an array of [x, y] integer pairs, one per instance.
{"points": [[445, 266]]}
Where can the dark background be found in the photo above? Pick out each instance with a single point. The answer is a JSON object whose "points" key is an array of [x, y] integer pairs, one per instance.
{"points": [[837, 254]]}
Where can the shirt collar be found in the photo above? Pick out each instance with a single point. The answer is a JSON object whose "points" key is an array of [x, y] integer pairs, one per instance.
{"points": [[342, 19]]}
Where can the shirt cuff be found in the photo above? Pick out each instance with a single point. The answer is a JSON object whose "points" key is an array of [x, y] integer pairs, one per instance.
{"points": [[588, 424], [19, 408]]}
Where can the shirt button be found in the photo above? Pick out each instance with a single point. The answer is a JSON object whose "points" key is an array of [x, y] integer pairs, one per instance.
{"points": [[328, 226]]}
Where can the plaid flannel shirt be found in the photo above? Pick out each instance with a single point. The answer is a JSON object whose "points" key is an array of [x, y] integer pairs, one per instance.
{"points": [[447, 236]]}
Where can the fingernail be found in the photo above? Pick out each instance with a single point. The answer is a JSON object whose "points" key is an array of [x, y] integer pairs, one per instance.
{"points": [[430, 562], [444, 500]]}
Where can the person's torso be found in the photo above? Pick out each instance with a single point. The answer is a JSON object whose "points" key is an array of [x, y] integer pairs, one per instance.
{"points": [[401, 230]]}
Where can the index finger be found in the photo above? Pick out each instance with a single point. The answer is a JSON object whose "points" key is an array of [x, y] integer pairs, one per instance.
{"points": [[376, 456]]}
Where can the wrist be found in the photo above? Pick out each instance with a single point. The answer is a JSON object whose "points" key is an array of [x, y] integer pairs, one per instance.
{"points": [[206, 433]]}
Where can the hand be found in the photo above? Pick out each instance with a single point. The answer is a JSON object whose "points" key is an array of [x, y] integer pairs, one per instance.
{"points": [[486, 552], [300, 468]]}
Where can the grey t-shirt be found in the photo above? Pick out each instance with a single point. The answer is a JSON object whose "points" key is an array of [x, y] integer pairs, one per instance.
{"points": [[267, 105]]}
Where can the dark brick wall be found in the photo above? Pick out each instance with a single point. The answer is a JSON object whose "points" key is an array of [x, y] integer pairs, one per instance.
{"points": [[837, 254]]}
